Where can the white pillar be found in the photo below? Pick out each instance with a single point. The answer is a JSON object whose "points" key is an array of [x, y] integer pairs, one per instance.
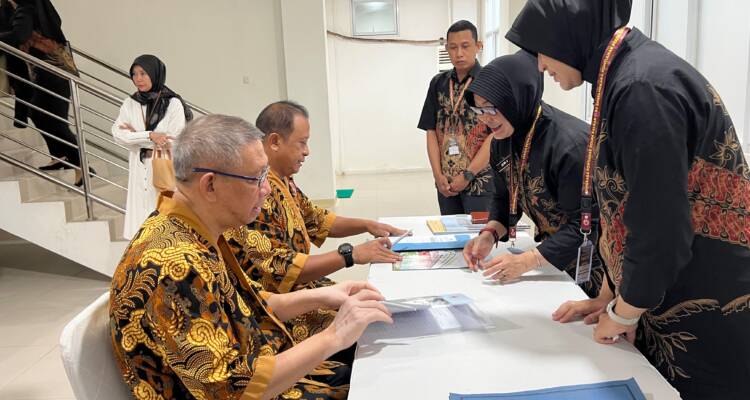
{"points": [[306, 57]]}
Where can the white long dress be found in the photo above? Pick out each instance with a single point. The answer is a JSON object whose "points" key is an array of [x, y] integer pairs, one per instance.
{"points": [[142, 195]]}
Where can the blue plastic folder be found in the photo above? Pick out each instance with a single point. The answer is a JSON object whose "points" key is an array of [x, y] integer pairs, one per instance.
{"points": [[613, 390], [459, 243]]}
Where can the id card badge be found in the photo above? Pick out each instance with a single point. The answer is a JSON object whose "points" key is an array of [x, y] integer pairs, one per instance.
{"points": [[453, 149], [583, 264]]}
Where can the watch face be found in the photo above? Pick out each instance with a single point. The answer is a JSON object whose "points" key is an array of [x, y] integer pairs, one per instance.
{"points": [[346, 248]]}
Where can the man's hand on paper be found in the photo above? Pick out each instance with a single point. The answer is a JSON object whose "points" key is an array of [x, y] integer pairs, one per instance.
{"points": [[333, 297], [353, 317], [379, 229], [375, 251]]}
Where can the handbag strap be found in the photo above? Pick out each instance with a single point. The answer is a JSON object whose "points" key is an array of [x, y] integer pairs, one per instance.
{"points": [[145, 118]]}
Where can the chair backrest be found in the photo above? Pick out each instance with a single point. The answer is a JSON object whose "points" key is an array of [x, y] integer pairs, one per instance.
{"points": [[87, 355]]}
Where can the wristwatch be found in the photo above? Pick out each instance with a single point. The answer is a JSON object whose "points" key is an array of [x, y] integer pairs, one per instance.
{"points": [[620, 320], [347, 250], [468, 175]]}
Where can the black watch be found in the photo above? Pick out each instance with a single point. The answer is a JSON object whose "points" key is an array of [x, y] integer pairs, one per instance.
{"points": [[468, 175], [347, 251]]}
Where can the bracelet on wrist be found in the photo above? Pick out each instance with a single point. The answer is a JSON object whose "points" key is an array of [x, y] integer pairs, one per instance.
{"points": [[493, 231]]}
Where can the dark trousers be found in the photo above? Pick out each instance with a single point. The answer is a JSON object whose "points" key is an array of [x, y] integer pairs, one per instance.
{"points": [[58, 107], [463, 203], [21, 89]]}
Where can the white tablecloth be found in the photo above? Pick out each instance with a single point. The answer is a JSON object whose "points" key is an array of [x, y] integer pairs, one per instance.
{"points": [[524, 350]]}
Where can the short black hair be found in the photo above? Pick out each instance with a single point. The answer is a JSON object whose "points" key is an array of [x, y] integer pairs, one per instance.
{"points": [[463, 25], [279, 117]]}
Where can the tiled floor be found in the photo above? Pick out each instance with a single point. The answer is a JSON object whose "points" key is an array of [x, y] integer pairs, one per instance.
{"points": [[40, 292]]}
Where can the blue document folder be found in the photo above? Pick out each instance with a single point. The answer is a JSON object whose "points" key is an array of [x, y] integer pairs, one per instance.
{"points": [[432, 243], [614, 390]]}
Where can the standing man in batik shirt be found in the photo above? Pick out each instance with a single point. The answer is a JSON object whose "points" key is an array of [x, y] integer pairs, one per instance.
{"points": [[456, 145], [276, 249], [186, 321]]}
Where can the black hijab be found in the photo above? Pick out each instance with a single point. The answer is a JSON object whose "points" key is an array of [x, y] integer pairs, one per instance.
{"points": [[514, 85], [46, 19], [575, 32], [157, 99]]}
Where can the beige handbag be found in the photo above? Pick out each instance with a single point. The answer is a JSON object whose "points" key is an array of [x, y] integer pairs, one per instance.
{"points": [[161, 164], [163, 170]]}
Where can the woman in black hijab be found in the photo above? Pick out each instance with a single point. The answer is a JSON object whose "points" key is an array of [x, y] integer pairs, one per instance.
{"points": [[35, 28], [674, 191], [150, 118], [507, 95], [157, 98]]}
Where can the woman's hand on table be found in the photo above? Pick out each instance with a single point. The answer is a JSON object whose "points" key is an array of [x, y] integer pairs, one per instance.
{"points": [[508, 267]]}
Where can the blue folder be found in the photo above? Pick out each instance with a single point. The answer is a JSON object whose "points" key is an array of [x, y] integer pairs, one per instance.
{"points": [[613, 390], [459, 243]]}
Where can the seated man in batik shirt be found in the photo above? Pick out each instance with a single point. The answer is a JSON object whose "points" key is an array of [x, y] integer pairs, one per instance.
{"points": [[187, 322], [276, 252]]}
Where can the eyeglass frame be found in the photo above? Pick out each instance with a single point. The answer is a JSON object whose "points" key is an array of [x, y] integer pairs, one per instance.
{"points": [[484, 110], [258, 179]]}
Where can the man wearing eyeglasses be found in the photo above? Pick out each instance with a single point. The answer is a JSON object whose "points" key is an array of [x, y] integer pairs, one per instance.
{"points": [[186, 321], [456, 141], [276, 252]]}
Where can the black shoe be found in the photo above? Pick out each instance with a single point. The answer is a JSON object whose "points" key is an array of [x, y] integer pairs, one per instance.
{"points": [[55, 166], [79, 182]]}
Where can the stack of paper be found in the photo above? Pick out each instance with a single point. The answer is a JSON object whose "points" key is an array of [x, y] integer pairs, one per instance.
{"points": [[453, 224]]}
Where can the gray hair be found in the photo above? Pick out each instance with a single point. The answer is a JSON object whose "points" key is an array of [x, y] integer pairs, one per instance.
{"points": [[211, 140]]}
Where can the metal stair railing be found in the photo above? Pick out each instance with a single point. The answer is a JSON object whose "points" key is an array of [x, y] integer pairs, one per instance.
{"points": [[120, 72], [78, 125]]}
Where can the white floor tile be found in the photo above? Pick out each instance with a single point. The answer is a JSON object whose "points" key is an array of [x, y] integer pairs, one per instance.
{"points": [[17, 359], [45, 379]]}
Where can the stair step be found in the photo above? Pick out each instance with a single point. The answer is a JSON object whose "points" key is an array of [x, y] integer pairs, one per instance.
{"points": [[34, 158], [27, 136], [115, 220]]}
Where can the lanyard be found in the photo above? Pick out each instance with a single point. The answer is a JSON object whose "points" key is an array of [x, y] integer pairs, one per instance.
{"points": [[515, 187], [455, 104], [586, 194]]}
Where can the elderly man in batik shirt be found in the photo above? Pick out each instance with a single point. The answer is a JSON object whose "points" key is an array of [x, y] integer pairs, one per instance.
{"points": [[276, 252], [187, 322]]}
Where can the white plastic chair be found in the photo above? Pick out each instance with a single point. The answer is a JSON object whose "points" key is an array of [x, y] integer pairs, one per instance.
{"points": [[87, 355]]}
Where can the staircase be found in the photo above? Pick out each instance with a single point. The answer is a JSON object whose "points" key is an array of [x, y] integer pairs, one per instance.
{"points": [[84, 225], [51, 216]]}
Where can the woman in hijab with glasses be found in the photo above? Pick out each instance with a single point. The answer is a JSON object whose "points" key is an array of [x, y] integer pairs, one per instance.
{"points": [[673, 189], [536, 157], [150, 118]]}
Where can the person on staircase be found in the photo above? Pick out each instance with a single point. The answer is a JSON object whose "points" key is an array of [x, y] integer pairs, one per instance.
{"points": [[35, 28], [149, 119]]}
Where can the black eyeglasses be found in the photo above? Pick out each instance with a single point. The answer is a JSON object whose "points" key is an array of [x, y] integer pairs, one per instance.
{"points": [[257, 179], [484, 110]]}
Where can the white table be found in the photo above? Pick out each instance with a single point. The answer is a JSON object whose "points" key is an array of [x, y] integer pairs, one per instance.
{"points": [[525, 350]]}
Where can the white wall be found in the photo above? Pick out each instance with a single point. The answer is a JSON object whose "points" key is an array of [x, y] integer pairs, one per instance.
{"points": [[722, 55], [304, 27], [208, 47], [230, 57], [377, 90], [714, 36]]}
